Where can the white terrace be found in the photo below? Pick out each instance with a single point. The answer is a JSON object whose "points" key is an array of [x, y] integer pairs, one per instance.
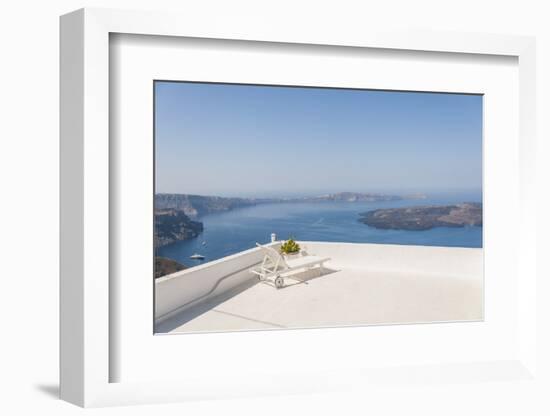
{"points": [[362, 284]]}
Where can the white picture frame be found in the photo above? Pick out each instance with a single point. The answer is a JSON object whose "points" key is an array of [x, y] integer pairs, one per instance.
{"points": [[87, 295]]}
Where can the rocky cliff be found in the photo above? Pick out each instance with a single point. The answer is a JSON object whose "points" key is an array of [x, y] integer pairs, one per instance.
{"points": [[164, 266], [173, 225], [197, 205]]}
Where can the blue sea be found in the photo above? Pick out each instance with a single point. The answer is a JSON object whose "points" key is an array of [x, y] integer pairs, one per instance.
{"points": [[233, 231]]}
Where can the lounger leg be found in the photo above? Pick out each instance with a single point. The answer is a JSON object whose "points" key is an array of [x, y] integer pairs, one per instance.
{"points": [[279, 282]]}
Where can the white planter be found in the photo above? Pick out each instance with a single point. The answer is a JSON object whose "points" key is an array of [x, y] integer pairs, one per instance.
{"points": [[292, 256]]}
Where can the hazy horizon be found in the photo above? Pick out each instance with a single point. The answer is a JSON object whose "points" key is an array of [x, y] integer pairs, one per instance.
{"points": [[298, 194], [260, 141]]}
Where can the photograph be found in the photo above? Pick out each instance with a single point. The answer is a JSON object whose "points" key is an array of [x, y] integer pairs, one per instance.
{"points": [[276, 208], [293, 207]]}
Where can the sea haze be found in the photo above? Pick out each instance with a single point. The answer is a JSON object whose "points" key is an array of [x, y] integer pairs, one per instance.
{"points": [[233, 231]]}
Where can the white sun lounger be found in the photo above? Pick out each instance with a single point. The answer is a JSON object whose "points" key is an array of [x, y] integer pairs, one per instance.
{"points": [[274, 265]]}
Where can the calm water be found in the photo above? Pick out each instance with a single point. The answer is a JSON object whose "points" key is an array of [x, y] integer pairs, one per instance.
{"points": [[230, 232]]}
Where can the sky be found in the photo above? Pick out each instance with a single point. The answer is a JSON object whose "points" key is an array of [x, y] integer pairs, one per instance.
{"points": [[247, 140]]}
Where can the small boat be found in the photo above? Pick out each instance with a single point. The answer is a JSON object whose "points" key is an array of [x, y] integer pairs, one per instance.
{"points": [[204, 243], [197, 257]]}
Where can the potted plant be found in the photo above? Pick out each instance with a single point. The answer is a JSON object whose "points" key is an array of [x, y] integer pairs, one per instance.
{"points": [[290, 248]]}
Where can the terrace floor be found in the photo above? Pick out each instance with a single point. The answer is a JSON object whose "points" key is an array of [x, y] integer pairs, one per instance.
{"points": [[341, 296]]}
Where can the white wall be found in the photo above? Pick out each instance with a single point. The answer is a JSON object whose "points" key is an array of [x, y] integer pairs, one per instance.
{"points": [[29, 209], [180, 290]]}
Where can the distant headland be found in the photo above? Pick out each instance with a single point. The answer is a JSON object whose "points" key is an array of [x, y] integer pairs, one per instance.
{"points": [[195, 206]]}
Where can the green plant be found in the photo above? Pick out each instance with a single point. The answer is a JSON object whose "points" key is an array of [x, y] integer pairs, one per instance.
{"points": [[290, 246]]}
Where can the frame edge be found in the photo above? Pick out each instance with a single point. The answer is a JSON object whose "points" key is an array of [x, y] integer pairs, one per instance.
{"points": [[84, 358], [71, 221]]}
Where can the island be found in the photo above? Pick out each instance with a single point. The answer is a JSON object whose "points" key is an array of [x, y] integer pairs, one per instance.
{"points": [[419, 218]]}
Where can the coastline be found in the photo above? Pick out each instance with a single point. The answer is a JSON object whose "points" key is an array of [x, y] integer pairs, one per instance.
{"points": [[236, 230]]}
